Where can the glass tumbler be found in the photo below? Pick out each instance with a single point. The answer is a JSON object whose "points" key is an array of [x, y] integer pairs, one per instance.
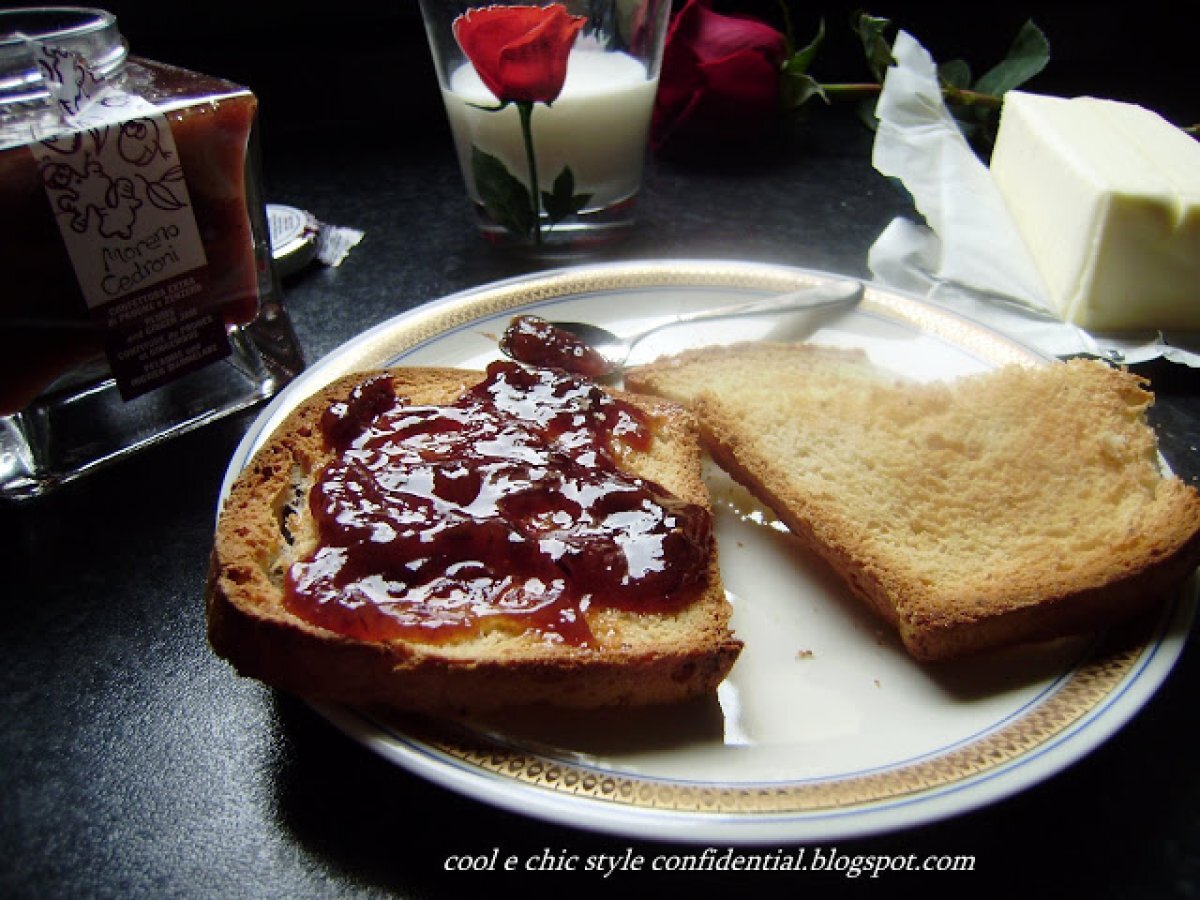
{"points": [[549, 105]]}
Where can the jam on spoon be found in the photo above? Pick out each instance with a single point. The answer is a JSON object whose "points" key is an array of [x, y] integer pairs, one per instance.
{"points": [[595, 352], [536, 342]]}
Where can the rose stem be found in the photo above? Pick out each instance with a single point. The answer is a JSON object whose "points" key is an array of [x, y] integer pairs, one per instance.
{"points": [[525, 108], [952, 95]]}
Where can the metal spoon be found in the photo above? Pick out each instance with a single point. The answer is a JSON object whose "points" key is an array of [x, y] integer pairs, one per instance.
{"points": [[615, 350]]}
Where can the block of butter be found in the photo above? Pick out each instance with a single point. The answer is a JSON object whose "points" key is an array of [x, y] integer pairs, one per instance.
{"points": [[1106, 195]]}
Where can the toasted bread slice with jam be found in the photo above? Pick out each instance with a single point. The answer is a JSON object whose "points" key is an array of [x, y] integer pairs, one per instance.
{"points": [[322, 585]]}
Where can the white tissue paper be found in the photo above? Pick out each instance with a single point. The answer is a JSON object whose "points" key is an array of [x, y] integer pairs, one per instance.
{"points": [[968, 257]]}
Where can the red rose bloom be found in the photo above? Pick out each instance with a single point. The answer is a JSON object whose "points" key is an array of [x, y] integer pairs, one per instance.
{"points": [[719, 82], [520, 52]]}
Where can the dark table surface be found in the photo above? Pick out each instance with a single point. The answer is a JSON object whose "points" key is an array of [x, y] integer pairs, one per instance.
{"points": [[134, 763]]}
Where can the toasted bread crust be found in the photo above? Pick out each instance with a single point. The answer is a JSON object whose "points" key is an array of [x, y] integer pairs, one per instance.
{"points": [[642, 658], [1008, 507]]}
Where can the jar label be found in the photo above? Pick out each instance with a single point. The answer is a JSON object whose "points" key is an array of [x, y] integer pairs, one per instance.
{"points": [[121, 202]]}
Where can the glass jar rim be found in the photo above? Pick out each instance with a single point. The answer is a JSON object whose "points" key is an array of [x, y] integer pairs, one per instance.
{"points": [[92, 33]]}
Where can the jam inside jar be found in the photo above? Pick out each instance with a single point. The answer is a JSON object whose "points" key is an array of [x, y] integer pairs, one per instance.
{"points": [[506, 509], [136, 251]]}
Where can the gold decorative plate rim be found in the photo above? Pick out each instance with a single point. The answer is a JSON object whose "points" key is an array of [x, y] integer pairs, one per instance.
{"points": [[1105, 666]]}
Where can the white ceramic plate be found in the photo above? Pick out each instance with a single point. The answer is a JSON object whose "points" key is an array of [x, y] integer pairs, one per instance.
{"points": [[825, 728]]}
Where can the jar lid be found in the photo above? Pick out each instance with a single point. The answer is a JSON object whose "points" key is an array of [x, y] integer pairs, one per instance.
{"points": [[91, 33], [293, 238]]}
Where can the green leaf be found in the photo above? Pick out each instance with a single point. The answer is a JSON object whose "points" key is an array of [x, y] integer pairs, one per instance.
{"points": [[789, 33], [865, 110], [562, 201], [1028, 55], [504, 197], [797, 89], [796, 86], [974, 131], [955, 74], [871, 31], [799, 62]]}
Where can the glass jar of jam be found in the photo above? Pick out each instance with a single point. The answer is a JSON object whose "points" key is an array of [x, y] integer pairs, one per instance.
{"points": [[138, 296]]}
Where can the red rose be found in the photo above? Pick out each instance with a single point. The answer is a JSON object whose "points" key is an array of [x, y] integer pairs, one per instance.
{"points": [[719, 82], [520, 52]]}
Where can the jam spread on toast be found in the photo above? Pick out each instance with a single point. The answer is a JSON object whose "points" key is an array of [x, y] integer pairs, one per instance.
{"points": [[505, 509]]}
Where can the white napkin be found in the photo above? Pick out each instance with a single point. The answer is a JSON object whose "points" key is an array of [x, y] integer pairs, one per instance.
{"points": [[969, 257]]}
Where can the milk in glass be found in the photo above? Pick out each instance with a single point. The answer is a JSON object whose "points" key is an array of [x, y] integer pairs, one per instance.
{"points": [[597, 126]]}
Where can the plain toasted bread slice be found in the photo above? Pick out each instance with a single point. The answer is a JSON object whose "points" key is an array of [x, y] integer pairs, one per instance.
{"points": [[638, 657], [1011, 506]]}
